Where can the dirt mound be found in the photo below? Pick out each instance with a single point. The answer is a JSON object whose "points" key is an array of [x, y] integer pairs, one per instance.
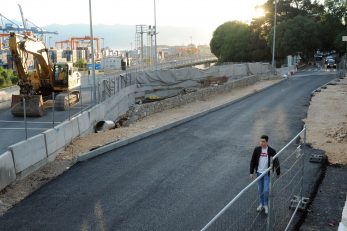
{"points": [[338, 133]]}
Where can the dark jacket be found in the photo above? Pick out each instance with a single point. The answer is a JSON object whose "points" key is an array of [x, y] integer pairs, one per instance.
{"points": [[255, 160]]}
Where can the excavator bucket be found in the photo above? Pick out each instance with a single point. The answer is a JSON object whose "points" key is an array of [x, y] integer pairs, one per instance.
{"points": [[33, 105]]}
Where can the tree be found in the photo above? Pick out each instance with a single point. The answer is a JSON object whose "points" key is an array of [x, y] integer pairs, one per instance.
{"points": [[302, 26], [339, 44], [236, 42], [300, 34], [81, 63]]}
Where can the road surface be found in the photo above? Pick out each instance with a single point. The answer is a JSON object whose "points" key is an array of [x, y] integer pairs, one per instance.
{"points": [[176, 180]]}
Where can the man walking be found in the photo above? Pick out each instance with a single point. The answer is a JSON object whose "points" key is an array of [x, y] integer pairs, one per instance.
{"points": [[261, 160]]}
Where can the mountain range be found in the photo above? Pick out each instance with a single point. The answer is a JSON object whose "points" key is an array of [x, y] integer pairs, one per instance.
{"points": [[123, 36]]}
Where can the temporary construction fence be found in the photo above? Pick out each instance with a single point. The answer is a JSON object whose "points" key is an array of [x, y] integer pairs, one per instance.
{"points": [[285, 195], [27, 126]]}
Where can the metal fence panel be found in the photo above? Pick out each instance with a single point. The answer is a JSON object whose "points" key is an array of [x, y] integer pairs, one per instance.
{"points": [[285, 195]]}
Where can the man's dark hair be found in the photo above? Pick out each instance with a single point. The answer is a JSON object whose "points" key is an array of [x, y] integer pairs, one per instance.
{"points": [[265, 137]]}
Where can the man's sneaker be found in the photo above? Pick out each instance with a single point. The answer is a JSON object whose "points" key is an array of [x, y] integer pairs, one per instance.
{"points": [[266, 209], [260, 207]]}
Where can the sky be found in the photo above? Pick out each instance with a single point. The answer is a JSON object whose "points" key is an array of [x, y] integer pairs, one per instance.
{"points": [[203, 15], [196, 13]]}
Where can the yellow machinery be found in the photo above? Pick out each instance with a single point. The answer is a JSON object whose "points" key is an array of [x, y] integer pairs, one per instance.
{"points": [[37, 86]]}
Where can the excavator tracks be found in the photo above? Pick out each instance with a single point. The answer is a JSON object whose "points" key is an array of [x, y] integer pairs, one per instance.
{"points": [[65, 100]]}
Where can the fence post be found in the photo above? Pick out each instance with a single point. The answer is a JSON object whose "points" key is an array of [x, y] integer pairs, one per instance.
{"points": [[80, 98], [114, 84], [68, 100], [91, 97], [25, 118], [99, 92], [303, 164], [270, 198]]}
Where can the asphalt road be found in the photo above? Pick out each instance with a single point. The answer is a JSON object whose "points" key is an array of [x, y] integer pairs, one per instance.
{"points": [[176, 180]]}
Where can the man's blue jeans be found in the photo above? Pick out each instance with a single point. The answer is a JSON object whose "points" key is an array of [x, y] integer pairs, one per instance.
{"points": [[263, 189]]}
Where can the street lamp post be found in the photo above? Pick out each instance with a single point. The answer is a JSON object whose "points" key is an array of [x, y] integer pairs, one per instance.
{"points": [[92, 47], [274, 36], [155, 36]]}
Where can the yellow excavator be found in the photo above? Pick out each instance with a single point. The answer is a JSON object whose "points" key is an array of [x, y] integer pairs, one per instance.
{"points": [[38, 85]]}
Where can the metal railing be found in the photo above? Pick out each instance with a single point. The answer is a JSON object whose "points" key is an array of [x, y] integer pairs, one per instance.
{"points": [[285, 195]]}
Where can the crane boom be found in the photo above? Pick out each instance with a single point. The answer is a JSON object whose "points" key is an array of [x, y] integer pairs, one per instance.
{"points": [[21, 13]]}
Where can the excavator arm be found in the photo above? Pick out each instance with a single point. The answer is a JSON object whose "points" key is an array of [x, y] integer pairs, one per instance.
{"points": [[31, 84], [20, 49], [19, 57]]}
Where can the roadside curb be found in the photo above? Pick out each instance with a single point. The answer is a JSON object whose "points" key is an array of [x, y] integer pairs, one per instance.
{"points": [[120, 143], [325, 85]]}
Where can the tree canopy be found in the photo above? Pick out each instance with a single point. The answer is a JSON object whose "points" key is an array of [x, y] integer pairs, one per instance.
{"points": [[302, 26]]}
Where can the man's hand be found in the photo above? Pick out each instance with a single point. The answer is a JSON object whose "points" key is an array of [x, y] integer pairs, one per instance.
{"points": [[251, 176]]}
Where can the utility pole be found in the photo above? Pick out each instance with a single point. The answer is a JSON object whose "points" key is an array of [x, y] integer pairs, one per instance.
{"points": [[92, 47], [274, 36], [155, 37]]}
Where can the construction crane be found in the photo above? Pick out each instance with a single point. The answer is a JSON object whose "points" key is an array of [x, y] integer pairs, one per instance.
{"points": [[21, 13], [61, 43], [74, 41], [46, 80]]}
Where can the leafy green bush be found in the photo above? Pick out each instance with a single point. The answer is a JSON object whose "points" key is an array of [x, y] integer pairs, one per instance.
{"points": [[2, 81], [14, 79], [7, 77], [4, 74]]}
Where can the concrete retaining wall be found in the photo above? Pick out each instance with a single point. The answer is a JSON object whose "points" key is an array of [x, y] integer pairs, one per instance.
{"points": [[137, 112]]}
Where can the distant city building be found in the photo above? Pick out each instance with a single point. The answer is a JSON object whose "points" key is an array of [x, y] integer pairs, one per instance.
{"points": [[111, 63]]}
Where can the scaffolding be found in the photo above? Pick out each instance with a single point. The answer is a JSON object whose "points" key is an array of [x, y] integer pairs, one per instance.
{"points": [[139, 45]]}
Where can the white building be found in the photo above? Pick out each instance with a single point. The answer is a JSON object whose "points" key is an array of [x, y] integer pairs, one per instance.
{"points": [[111, 62]]}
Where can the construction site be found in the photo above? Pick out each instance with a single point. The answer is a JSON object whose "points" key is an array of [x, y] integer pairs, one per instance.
{"points": [[161, 137]]}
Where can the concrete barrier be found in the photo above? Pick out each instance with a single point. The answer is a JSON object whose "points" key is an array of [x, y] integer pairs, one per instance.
{"points": [[55, 139], [7, 170], [96, 114], [71, 130], [83, 123], [29, 153]]}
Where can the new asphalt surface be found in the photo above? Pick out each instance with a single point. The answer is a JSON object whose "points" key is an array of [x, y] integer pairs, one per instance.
{"points": [[175, 180]]}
